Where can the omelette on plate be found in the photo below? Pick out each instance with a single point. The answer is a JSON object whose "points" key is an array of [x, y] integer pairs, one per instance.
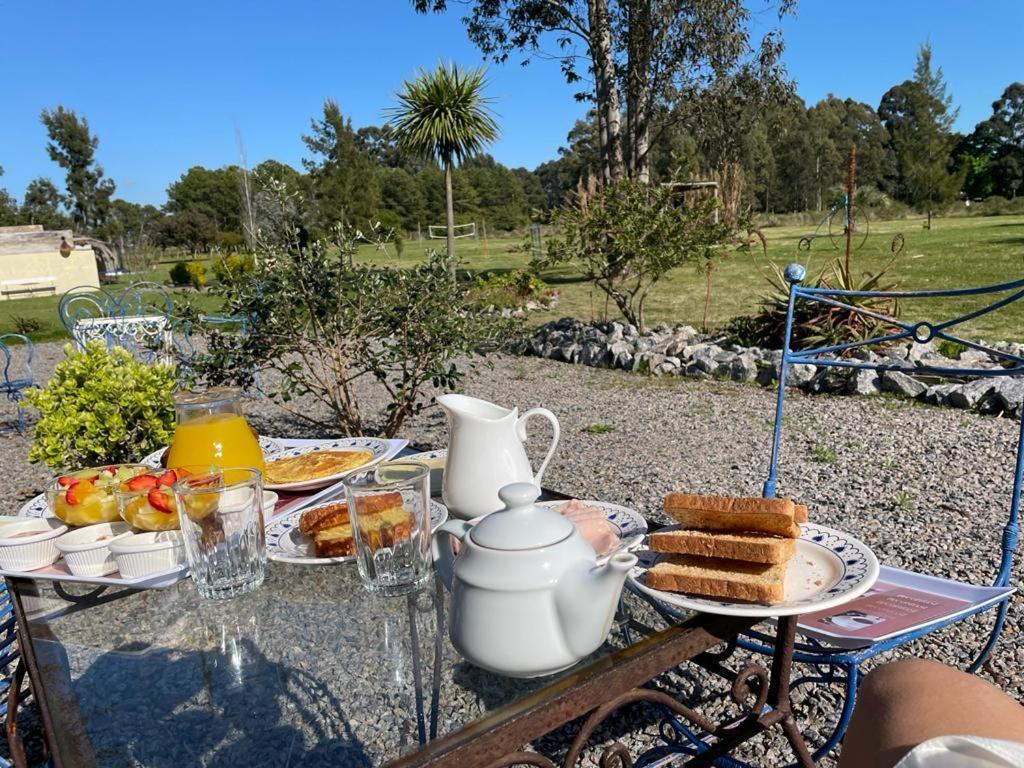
{"points": [[314, 465]]}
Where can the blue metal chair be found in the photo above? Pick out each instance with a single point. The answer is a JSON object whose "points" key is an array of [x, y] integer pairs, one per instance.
{"points": [[17, 378], [11, 673], [842, 666], [139, 319]]}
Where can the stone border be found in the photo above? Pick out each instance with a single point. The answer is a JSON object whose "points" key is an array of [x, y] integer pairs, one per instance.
{"points": [[681, 351]]}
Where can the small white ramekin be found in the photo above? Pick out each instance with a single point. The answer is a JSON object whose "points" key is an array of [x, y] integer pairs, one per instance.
{"points": [[28, 552], [87, 550], [141, 554], [269, 502]]}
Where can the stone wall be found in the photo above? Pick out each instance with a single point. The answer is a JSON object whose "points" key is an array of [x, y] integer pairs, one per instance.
{"points": [[682, 351]]}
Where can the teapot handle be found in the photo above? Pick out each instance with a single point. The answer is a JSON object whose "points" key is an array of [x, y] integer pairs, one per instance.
{"points": [[444, 555], [521, 432]]}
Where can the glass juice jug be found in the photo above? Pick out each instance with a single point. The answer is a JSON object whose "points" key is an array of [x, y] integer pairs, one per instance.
{"points": [[211, 431]]}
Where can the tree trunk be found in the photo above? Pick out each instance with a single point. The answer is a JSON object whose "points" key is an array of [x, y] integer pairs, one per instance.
{"points": [[450, 218], [929, 219], [606, 90], [638, 50]]}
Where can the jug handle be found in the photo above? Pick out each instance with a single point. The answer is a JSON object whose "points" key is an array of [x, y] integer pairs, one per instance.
{"points": [[521, 433], [444, 556]]}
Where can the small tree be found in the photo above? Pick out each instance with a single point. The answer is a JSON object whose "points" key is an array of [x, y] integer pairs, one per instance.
{"points": [[629, 235], [920, 116], [326, 328], [443, 115]]}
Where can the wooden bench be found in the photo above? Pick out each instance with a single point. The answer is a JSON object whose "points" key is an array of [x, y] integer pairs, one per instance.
{"points": [[28, 285]]}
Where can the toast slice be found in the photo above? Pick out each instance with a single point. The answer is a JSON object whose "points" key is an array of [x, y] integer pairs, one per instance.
{"points": [[321, 518], [382, 519], [751, 547], [716, 577], [799, 513], [731, 513]]}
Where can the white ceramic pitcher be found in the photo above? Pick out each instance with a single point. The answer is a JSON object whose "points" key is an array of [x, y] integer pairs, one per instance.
{"points": [[486, 453]]}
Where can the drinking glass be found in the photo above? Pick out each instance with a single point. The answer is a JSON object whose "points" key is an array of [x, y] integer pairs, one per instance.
{"points": [[221, 516], [389, 509]]}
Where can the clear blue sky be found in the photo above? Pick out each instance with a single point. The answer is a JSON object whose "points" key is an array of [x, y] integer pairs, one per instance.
{"points": [[165, 85]]}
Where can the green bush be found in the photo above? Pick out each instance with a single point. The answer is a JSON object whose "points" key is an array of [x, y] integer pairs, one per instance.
{"points": [[233, 267], [101, 407], [189, 273], [509, 290]]}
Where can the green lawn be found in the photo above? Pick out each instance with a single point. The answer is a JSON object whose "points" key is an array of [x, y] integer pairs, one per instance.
{"points": [[957, 252]]}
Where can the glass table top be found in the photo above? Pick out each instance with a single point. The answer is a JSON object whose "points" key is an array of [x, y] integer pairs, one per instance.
{"points": [[310, 669]]}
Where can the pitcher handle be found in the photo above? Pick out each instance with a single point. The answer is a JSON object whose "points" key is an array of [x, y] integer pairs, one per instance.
{"points": [[521, 432], [444, 556]]}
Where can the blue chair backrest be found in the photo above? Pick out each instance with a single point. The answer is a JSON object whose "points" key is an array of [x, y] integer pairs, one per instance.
{"points": [[137, 318], [14, 373], [830, 356]]}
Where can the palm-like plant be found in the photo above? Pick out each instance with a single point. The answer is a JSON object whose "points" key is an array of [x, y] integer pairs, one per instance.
{"points": [[444, 115]]}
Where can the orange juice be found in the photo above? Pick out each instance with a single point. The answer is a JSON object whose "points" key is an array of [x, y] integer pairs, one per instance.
{"points": [[215, 439]]}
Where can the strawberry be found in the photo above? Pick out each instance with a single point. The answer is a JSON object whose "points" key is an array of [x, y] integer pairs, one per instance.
{"points": [[141, 483], [77, 492], [66, 482], [168, 478], [110, 471], [160, 500]]}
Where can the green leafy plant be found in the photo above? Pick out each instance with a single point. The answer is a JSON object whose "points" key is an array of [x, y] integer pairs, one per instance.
{"points": [[188, 273], [823, 454], [26, 325], [330, 329], [629, 235], [815, 322], [599, 429], [233, 267], [509, 290], [101, 406]]}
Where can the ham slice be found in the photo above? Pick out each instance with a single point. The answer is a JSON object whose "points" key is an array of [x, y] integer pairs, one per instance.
{"points": [[592, 525]]}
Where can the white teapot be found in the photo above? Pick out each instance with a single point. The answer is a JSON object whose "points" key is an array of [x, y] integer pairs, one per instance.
{"points": [[528, 598], [485, 452]]}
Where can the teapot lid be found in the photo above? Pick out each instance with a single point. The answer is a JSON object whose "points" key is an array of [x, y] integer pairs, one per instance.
{"points": [[522, 524]]}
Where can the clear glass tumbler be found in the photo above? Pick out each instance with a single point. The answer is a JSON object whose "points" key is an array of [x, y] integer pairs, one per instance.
{"points": [[221, 516], [389, 508]]}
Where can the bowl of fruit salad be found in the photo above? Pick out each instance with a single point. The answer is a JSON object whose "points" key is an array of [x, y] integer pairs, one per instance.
{"points": [[147, 500], [86, 497]]}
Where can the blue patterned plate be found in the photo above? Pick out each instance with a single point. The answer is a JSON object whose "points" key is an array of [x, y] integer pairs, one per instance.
{"points": [[829, 568], [35, 507], [286, 545], [377, 447]]}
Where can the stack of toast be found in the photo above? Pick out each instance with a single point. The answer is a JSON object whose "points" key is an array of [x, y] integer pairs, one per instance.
{"points": [[727, 547], [383, 521]]}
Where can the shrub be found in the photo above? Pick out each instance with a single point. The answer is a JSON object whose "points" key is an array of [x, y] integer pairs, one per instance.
{"points": [[26, 325], [101, 407], [510, 290], [189, 273], [230, 241], [627, 236], [326, 327], [233, 267]]}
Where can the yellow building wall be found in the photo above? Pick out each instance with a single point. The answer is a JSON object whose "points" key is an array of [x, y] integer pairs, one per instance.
{"points": [[77, 269]]}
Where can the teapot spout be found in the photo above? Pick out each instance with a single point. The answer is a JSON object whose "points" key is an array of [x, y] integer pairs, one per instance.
{"points": [[586, 598]]}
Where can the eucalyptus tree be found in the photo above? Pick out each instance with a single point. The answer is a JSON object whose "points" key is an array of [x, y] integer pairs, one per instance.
{"points": [[444, 115], [73, 147], [641, 58]]}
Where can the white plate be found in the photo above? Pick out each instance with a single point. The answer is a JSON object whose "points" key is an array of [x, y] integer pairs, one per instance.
{"points": [[267, 444], [59, 572], [286, 545], [377, 447], [630, 524], [436, 475], [829, 568]]}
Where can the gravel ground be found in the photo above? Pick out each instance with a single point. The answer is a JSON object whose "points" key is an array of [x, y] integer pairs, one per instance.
{"points": [[926, 488]]}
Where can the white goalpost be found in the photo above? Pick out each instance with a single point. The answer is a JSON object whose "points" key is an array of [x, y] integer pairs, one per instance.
{"points": [[440, 231]]}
